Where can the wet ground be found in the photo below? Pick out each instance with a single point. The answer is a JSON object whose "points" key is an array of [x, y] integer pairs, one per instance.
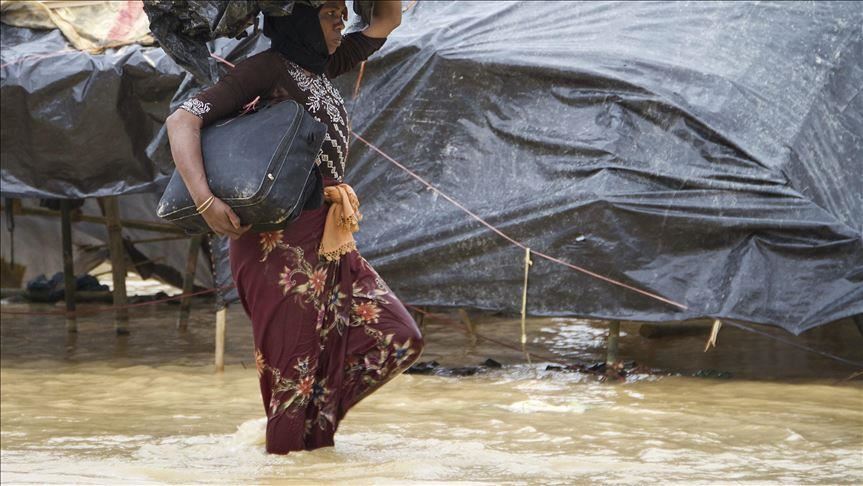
{"points": [[145, 408]]}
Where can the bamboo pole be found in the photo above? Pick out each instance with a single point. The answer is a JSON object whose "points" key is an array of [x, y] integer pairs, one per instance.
{"points": [[189, 282], [138, 242], [221, 318], [128, 223], [111, 208], [80, 295], [54, 4], [68, 266]]}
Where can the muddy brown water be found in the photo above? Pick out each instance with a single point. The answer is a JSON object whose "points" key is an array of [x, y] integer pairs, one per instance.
{"points": [[147, 408]]}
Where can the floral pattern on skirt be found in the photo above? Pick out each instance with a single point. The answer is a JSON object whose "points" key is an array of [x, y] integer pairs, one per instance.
{"points": [[326, 334]]}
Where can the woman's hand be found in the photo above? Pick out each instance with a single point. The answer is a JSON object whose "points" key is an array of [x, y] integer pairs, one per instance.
{"points": [[386, 16], [223, 220]]}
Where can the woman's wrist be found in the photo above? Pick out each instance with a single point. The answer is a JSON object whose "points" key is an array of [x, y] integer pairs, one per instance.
{"points": [[200, 197]]}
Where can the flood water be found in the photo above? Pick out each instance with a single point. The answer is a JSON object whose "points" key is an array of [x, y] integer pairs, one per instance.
{"points": [[148, 408]]}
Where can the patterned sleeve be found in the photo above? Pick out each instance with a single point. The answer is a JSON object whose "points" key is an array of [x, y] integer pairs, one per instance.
{"points": [[251, 77], [355, 48]]}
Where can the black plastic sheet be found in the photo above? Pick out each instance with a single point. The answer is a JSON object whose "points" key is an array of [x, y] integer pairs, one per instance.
{"points": [[706, 152], [183, 29], [77, 125]]}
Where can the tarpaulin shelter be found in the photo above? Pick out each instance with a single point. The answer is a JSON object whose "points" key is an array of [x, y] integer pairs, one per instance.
{"points": [[81, 96], [84, 95], [708, 153]]}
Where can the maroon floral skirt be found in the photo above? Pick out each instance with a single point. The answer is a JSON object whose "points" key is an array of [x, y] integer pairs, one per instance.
{"points": [[326, 334]]}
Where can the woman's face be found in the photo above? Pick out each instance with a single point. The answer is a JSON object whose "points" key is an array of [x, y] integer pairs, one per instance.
{"points": [[333, 15]]}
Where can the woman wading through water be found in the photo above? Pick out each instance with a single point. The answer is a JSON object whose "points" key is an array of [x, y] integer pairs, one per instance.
{"points": [[327, 329]]}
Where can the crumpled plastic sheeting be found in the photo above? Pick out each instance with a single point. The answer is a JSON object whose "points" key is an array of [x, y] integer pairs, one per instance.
{"points": [[706, 152], [77, 125], [183, 29]]}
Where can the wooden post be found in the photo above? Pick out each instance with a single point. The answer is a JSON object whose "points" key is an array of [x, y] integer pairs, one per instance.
{"points": [[613, 338], [419, 318], [117, 253], [68, 265], [189, 282], [471, 331], [221, 318]]}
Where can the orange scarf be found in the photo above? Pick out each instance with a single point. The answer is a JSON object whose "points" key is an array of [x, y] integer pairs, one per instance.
{"points": [[342, 222]]}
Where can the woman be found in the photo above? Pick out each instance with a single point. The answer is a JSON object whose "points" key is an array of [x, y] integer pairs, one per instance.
{"points": [[327, 329]]}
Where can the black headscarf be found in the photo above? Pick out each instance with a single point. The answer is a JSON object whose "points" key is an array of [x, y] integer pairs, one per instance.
{"points": [[299, 37]]}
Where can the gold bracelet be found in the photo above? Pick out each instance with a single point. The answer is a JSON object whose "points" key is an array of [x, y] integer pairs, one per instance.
{"points": [[206, 205], [209, 200]]}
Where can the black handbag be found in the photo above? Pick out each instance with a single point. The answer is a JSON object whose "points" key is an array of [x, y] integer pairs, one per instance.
{"points": [[260, 164]]}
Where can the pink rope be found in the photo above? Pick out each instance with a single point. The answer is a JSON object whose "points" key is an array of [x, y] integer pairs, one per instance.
{"points": [[222, 59], [252, 105]]}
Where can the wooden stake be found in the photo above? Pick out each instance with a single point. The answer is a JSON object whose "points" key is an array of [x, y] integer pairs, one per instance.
{"points": [[613, 338], [471, 331], [527, 263], [111, 208], [221, 318], [189, 282], [419, 317], [68, 265], [714, 333]]}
